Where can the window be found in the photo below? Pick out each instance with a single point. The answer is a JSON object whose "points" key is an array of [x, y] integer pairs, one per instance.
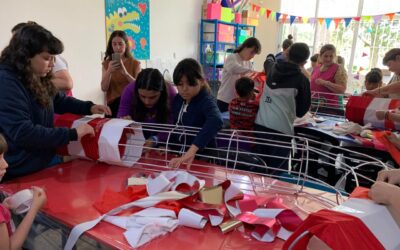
{"points": [[373, 41]]}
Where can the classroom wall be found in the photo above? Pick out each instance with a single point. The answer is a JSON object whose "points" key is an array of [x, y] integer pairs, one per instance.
{"points": [[174, 34], [80, 25]]}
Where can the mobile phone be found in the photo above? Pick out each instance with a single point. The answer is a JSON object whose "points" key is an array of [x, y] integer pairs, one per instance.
{"points": [[116, 56]]}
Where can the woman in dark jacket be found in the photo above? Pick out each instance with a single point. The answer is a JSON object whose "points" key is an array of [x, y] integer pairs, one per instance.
{"points": [[28, 100]]}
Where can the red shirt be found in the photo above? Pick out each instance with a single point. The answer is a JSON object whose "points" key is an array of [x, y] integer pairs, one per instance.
{"points": [[5, 217], [242, 113]]}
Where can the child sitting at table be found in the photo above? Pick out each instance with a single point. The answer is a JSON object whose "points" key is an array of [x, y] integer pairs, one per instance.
{"points": [[243, 109], [9, 239], [373, 79], [193, 107]]}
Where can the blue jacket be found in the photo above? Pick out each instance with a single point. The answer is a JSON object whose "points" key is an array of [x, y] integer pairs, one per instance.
{"points": [[202, 112], [28, 127]]}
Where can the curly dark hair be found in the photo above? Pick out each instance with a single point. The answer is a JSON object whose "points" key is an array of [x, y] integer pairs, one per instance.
{"points": [[109, 49], [28, 42], [150, 79]]}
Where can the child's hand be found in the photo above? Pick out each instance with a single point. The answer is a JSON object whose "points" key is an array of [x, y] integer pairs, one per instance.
{"points": [[39, 198], [187, 158]]}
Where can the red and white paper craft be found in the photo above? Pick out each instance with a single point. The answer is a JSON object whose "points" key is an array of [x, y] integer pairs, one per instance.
{"points": [[116, 141], [376, 217], [362, 110]]}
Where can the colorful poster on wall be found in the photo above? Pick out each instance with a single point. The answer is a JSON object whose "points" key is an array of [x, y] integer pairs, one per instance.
{"points": [[133, 17]]}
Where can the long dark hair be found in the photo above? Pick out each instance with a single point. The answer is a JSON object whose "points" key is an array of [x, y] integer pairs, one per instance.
{"points": [[110, 51], [250, 42], [29, 41], [190, 68], [150, 79]]}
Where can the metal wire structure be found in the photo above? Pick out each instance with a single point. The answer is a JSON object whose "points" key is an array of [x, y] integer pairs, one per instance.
{"points": [[329, 104], [238, 153]]}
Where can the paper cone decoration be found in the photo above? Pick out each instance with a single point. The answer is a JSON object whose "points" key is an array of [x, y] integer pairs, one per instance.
{"points": [[284, 16], [292, 18]]}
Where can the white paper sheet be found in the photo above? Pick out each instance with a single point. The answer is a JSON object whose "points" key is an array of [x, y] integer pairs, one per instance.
{"points": [[189, 218], [75, 148]]}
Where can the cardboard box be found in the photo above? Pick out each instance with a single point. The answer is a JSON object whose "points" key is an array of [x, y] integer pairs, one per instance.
{"points": [[214, 11], [250, 13], [227, 15], [250, 21]]}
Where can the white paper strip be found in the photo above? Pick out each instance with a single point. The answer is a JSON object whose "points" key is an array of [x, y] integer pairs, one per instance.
{"points": [[75, 148], [21, 201], [189, 218], [108, 142]]}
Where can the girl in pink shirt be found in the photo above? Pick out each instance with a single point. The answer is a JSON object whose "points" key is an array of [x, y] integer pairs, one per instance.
{"points": [[9, 239]]}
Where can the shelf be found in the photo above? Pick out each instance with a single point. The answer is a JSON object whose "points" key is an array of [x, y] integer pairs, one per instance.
{"points": [[225, 43], [214, 70]]}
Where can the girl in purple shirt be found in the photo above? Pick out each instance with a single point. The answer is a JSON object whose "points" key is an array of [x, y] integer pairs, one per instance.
{"points": [[148, 100]]}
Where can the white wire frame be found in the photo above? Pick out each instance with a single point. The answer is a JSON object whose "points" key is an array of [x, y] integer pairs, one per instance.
{"points": [[258, 176]]}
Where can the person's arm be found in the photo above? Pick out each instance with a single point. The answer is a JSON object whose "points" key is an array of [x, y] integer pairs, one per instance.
{"points": [[340, 85], [125, 72], [269, 62], [108, 66], [207, 133], [125, 105], [62, 80], [303, 98], [386, 193], [385, 91], [18, 238]]}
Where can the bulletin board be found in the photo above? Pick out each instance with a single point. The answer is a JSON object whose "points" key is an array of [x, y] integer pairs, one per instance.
{"points": [[133, 17]]}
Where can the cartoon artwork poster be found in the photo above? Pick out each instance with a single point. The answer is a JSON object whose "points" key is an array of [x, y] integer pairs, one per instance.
{"points": [[133, 17]]}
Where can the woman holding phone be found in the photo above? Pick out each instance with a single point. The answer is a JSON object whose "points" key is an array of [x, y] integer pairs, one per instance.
{"points": [[119, 68]]}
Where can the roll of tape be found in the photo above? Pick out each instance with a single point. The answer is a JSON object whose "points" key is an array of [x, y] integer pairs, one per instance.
{"points": [[21, 201]]}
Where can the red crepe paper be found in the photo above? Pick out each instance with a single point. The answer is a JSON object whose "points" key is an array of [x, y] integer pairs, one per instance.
{"points": [[337, 230], [361, 193], [393, 150], [111, 199]]}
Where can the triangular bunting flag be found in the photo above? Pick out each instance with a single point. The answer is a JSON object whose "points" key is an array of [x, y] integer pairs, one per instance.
{"points": [[277, 16], [366, 18], [357, 77], [377, 19], [300, 19], [364, 54], [321, 21], [311, 20], [357, 18], [262, 11], [390, 16], [273, 14], [284, 16], [328, 22], [253, 7], [305, 19], [347, 21], [292, 18], [337, 21], [361, 68], [257, 8], [268, 12]]}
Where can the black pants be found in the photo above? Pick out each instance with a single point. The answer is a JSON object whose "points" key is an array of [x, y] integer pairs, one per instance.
{"points": [[262, 147], [114, 106], [222, 106]]}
